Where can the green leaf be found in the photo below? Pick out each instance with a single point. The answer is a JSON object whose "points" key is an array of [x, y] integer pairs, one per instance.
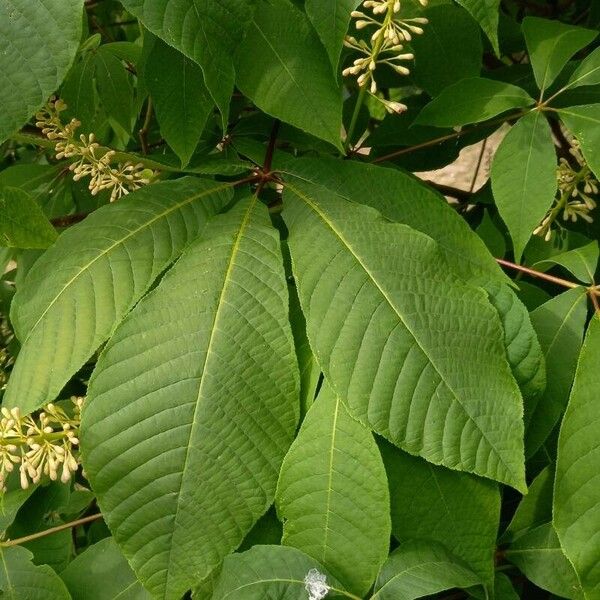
{"points": [[588, 71], [370, 310], [11, 501], [20, 579], [331, 18], [79, 91], [181, 100], [401, 197], [472, 101], [485, 12], [38, 42], [524, 177], [550, 45], [539, 556], [102, 573], [559, 324], [418, 569], [207, 31], [535, 509], [22, 222], [584, 124], [581, 262], [114, 88], [449, 50], [194, 403], [457, 510], [576, 493], [333, 496], [274, 572], [70, 301], [523, 349], [283, 68]]}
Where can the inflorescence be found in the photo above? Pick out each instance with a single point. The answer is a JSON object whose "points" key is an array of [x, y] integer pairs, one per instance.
{"points": [[385, 46], [121, 180], [42, 445], [575, 186]]}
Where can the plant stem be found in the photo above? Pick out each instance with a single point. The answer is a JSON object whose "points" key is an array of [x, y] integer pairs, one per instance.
{"points": [[359, 102], [143, 132], [40, 534], [539, 274]]}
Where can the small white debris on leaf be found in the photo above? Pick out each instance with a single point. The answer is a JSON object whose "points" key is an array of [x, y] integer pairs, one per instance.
{"points": [[315, 583]]}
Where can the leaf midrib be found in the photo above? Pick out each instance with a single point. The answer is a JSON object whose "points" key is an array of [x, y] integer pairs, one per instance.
{"points": [[226, 282]]}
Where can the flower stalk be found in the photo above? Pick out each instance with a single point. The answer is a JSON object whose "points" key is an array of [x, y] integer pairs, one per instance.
{"points": [[384, 47], [122, 179], [42, 445], [575, 187]]}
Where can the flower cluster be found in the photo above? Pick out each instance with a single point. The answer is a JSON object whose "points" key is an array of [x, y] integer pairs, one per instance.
{"points": [[91, 161], [384, 47], [42, 445], [575, 187]]}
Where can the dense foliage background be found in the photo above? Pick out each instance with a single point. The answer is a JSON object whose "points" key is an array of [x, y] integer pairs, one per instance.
{"points": [[246, 353]]}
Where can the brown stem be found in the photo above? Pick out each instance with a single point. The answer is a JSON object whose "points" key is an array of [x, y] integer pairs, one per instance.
{"points": [[538, 274], [143, 132], [449, 136], [40, 534], [67, 220], [271, 147]]}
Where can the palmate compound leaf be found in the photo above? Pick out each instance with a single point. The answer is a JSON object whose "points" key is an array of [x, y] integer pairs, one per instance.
{"points": [[38, 42], [414, 352], [194, 403], [333, 495], [576, 492], [71, 300]]}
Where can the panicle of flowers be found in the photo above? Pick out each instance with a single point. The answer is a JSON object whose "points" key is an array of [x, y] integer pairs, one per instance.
{"points": [[91, 161], [40, 445], [385, 45], [575, 189]]}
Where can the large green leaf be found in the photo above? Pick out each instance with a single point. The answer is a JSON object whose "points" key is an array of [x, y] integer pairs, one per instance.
{"points": [[194, 403], [457, 510], [551, 44], [38, 42], [485, 12], [102, 573], [276, 573], [181, 100], [284, 69], [449, 50], [401, 197], [331, 18], [584, 124], [559, 324], [387, 320], [20, 579], [471, 101], [418, 569], [333, 495], [22, 222], [524, 177], [576, 493], [539, 556], [523, 349], [70, 301], [207, 31]]}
